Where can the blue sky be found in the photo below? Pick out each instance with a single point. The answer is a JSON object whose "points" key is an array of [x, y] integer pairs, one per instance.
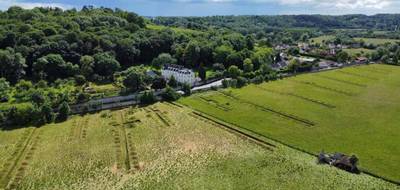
{"points": [[224, 7]]}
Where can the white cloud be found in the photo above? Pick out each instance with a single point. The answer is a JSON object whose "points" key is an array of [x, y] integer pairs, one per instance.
{"points": [[342, 4], [5, 4], [346, 4]]}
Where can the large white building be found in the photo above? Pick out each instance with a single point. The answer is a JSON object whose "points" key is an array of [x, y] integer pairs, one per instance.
{"points": [[180, 73]]}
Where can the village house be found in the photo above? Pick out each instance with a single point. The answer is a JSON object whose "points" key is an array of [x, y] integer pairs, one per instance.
{"points": [[304, 47], [361, 60], [181, 74], [280, 62]]}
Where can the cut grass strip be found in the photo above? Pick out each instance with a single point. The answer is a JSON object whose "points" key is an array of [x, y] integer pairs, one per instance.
{"points": [[318, 102], [297, 119], [215, 122], [161, 117], [132, 153], [214, 103], [312, 84], [14, 170], [357, 75], [341, 81]]}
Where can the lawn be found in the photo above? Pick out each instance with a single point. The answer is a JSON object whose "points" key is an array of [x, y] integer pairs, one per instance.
{"points": [[158, 147], [353, 110], [360, 51], [321, 39], [377, 41]]}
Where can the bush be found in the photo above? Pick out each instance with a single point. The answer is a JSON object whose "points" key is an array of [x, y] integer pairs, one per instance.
{"points": [[21, 114], [82, 97], [258, 79], [187, 89], [80, 80], [63, 111], [147, 97], [170, 94], [172, 82], [241, 81], [225, 83]]}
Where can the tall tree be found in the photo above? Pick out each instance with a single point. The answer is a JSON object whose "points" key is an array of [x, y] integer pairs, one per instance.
{"points": [[12, 65]]}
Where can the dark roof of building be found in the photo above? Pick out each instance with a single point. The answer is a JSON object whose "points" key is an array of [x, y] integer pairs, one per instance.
{"points": [[177, 68]]}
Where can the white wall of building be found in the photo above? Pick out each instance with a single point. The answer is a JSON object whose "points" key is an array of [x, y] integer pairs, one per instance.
{"points": [[182, 76]]}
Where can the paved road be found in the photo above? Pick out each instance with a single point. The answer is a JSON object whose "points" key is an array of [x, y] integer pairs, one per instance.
{"points": [[208, 86]]}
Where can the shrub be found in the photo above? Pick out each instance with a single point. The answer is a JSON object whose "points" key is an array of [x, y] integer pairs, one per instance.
{"points": [[80, 80], [225, 83], [147, 97], [172, 82], [258, 79], [187, 89], [63, 111], [241, 81], [170, 94]]}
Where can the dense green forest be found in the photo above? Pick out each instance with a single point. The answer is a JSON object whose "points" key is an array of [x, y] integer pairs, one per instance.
{"points": [[254, 24], [47, 54]]}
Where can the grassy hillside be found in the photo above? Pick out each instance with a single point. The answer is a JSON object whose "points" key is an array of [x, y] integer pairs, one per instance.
{"points": [[321, 39], [352, 110], [377, 41], [360, 51], [157, 147]]}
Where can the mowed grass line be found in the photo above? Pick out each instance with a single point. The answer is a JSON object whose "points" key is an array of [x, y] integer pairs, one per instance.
{"points": [[346, 82], [121, 144], [263, 108], [243, 135], [357, 75], [316, 85], [319, 102], [364, 121], [13, 170]]}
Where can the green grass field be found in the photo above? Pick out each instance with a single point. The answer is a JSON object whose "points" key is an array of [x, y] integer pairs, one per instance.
{"points": [[377, 41], [360, 51], [321, 39], [158, 147], [353, 110]]}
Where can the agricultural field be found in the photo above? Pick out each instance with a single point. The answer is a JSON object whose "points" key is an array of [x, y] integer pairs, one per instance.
{"points": [[354, 110], [377, 41], [163, 146]]}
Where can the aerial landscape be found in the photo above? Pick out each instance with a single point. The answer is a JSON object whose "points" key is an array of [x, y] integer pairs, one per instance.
{"points": [[243, 94]]}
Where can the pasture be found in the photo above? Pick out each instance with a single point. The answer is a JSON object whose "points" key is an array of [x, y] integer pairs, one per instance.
{"points": [[377, 41], [162, 146], [353, 110], [358, 51], [321, 39]]}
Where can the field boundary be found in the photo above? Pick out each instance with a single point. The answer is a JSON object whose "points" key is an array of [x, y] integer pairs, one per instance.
{"points": [[266, 109], [319, 102]]}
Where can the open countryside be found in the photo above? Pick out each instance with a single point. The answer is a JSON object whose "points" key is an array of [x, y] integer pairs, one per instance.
{"points": [[352, 110], [158, 147], [99, 97]]}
